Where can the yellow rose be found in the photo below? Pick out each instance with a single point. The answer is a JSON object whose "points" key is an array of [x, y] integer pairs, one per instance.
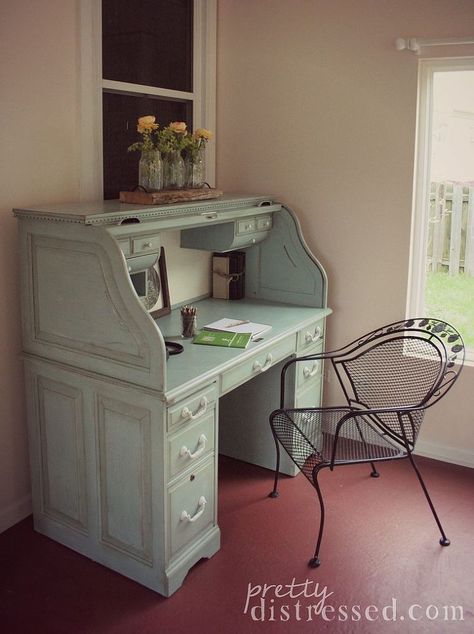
{"points": [[202, 133], [178, 126], [146, 124]]}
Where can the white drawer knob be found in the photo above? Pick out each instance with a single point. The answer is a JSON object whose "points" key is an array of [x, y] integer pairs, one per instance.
{"points": [[258, 367], [201, 448], [187, 414], [309, 372], [186, 517], [312, 338], [147, 245]]}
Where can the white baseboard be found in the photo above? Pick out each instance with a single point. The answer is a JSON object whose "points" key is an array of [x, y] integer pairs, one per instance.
{"points": [[462, 457], [15, 512]]}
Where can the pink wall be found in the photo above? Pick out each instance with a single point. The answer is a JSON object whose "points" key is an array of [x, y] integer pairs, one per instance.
{"points": [[39, 158], [316, 107]]}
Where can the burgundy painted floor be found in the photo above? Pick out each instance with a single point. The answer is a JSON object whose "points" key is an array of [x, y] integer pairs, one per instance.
{"points": [[380, 547]]}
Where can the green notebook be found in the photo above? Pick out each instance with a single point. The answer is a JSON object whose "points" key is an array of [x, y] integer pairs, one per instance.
{"points": [[227, 339]]}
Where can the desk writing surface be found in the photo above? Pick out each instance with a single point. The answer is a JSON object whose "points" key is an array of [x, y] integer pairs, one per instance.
{"points": [[199, 363]]}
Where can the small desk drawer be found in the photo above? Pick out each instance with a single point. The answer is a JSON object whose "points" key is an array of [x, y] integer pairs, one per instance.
{"points": [[248, 225], [264, 223], [193, 407], [309, 395], [310, 335], [258, 363], [145, 244], [191, 444], [308, 372], [192, 506]]}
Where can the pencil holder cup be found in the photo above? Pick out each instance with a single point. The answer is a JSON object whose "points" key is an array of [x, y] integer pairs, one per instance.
{"points": [[188, 326]]}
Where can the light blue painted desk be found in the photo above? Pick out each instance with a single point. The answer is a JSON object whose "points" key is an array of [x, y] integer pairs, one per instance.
{"points": [[123, 443]]}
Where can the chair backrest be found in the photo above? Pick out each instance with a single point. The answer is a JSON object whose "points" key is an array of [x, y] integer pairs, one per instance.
{"points": [[407, 364]]}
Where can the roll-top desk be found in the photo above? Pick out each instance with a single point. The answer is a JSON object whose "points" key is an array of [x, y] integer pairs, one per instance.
{"points": [[123, 442]]}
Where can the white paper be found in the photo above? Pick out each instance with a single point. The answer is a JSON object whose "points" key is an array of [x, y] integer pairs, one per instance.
{"points": [[228, 324]]}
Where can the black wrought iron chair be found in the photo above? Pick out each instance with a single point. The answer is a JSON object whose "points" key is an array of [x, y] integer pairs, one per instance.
{"points": [[389, 377]]}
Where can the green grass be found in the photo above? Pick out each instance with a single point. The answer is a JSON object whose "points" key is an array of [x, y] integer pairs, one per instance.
{"points": [[452, 299]]}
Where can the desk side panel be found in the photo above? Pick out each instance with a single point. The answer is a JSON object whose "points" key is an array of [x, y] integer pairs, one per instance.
{"points": [[283, 269], [79, 306], [98, 469]]}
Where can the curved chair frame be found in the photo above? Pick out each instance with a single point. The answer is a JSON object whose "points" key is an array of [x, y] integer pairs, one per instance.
{"points": [[389, 377]]}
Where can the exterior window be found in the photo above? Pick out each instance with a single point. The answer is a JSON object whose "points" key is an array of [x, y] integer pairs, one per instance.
{"points": [[442, 252]]}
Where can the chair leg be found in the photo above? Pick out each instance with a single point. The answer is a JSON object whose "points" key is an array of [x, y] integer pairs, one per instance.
{"points": [[274, 492], [314, 562], [374, 473], [444, 541]]}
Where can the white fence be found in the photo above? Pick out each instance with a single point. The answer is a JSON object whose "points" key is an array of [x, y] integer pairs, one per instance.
{"points": [[451, 230]]}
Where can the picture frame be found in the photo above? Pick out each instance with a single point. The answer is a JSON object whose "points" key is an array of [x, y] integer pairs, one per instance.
{"points": [[151, 286], [159, 274]]}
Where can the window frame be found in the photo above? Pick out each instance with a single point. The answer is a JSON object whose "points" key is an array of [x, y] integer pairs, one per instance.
{"points": [[420, 207], [91, 84]]}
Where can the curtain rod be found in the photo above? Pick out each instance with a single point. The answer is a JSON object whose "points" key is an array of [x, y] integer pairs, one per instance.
{"points": [[415, 44]]}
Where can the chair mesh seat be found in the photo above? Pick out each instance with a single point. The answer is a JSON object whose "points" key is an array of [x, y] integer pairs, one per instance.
{"points": [[308, 436]]}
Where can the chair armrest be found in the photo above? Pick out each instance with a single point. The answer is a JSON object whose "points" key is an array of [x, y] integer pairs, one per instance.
{"points": [[355, 413], [332, 354], [290, 362]]}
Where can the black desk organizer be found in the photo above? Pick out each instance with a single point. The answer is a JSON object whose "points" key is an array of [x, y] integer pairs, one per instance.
{"points": [[228, 275]]}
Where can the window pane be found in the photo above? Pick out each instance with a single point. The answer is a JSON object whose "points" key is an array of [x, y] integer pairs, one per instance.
{"points": [[120, 114], [449, 288], [148, 42]]}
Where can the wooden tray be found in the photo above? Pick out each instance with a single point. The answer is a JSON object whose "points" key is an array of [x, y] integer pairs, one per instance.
{"points": [[167, 196]]}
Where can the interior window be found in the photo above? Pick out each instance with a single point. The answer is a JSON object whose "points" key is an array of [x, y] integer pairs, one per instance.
{"points": [[147, 60], [148, 42], [120, 114]]}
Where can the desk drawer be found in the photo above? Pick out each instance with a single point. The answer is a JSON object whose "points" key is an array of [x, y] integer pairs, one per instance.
{"points": [[308, 372], [193, 407], [309, 376], [264, 223], [145, 244], [256, 364], [191, 444], [191, 506], [248, 225], [310, 335], [309, 395]]}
